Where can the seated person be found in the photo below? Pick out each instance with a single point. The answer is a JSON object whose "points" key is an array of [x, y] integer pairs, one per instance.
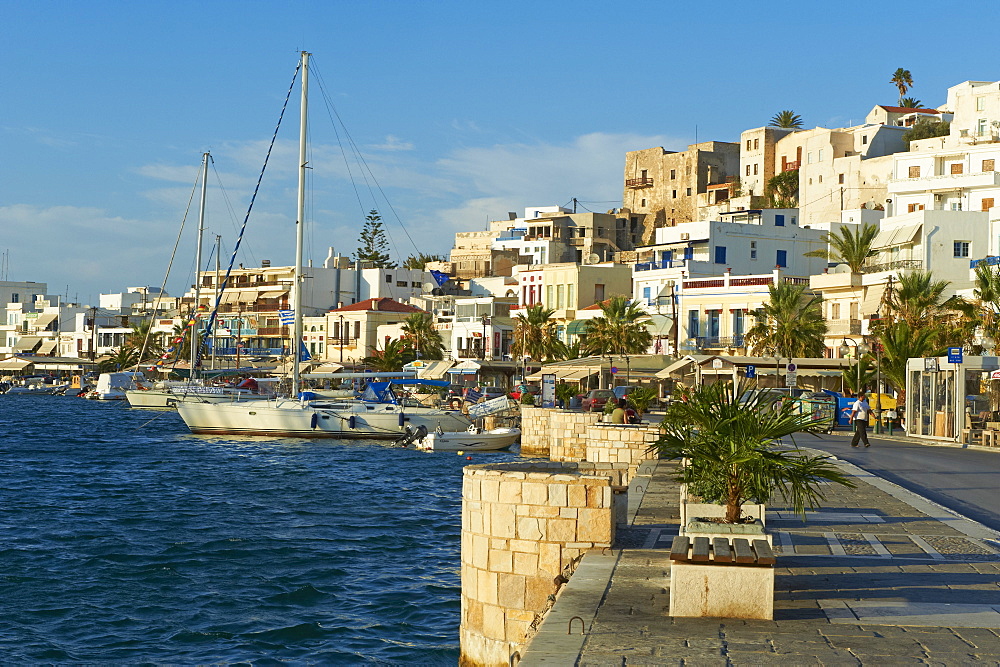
{"points": [[618, 414]]}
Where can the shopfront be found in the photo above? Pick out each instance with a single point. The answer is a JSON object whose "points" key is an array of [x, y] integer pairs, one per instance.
{"points": [[943, 395]]}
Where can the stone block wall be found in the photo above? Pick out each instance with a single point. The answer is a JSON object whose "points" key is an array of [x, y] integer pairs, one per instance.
{"points": [[524, 527], [568, 434], [535, 431], [617, 443]]}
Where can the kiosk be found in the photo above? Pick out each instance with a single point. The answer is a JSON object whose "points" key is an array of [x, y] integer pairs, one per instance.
{"points": [[944, 396]]}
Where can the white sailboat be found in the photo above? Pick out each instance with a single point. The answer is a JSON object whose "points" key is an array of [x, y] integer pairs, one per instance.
{"points": [[311, 418]]}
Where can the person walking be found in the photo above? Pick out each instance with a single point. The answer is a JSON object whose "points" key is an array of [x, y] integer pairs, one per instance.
{"points": [[860, 414]]}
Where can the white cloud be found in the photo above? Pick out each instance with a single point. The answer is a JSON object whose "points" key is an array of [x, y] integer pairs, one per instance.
{"points": [[393, 143]]}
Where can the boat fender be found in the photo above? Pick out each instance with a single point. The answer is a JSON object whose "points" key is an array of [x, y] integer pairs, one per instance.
{"points": [[351, 422], [402, 419], [313, 420]]}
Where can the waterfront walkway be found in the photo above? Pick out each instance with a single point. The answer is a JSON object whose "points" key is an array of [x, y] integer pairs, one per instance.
{"points": [[877, 576]]}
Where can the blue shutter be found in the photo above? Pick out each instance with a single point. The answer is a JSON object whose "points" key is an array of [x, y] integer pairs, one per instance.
{"points": [[779, 221], [782, 258], [720, 254], [646, 294]]}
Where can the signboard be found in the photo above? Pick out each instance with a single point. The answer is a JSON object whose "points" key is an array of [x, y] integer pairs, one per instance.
{"points": [[954, 355], [492, 406], [614, 370], [751, 371], [931, 364], [716, 363], [791, 375], [549, 390]]}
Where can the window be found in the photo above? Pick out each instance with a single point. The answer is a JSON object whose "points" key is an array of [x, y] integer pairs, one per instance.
{"points": [[357, 330], [981, 130], [914, 172], [910, 208], [864, 139], [598, 293], [689, 253], [645, 172], [675, 194], [643, 202], [401, 283], [571, 296], [688, 192], [987, 203], [415, 284], [956, 206], [809, 157], [779, 220], [388, 278], [956, 168], [782, 258], [560, 296], [673, 174], [748, 170], [820, 156], [755, 169], [820, 178], [980, 103], [749, 144], [692, 323], [756, 144], [15, 298], [961, 248], [549, 302], [739, 320], [720, 254], [753, 250], [989, 165], [840, 179], [834, 311], [855, 308], [714, 316]]}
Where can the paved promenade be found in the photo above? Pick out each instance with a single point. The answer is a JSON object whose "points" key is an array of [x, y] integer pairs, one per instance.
{"points": [[877, 576]]}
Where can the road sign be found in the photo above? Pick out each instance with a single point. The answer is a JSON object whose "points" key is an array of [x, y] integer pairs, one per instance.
{"points": [[751, 371], [614, 370], [954, 355], [791, 380], [790, 368]]}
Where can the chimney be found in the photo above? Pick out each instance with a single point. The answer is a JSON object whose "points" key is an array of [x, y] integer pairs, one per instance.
{"points": [[375, 304]]}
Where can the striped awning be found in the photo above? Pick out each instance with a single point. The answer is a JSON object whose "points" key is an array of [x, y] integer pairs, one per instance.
{"points": [[48, 347], [43, 321], [27, 343]]}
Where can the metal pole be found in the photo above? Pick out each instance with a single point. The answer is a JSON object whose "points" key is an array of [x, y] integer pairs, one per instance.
{"points": [[299, 228], [878, 388], [340, 338]]}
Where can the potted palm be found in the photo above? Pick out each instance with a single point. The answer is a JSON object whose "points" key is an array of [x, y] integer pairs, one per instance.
{"points": [[641, 398], [730, 438]]}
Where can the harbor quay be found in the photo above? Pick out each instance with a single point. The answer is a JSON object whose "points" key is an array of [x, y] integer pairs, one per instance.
{"points": [[876, 575]]}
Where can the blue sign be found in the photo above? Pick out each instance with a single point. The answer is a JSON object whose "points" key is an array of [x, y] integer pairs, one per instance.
{"points": [[954, 355], [751, 371], [614, 370]]}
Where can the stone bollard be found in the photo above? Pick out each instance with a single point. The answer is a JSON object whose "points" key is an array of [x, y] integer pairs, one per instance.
{"points": [[621, 443], [524, 527]]}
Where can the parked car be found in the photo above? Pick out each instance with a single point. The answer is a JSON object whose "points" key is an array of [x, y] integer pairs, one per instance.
{"points": [[623, 391], [595, 399], [534, 390], [493, 392]]}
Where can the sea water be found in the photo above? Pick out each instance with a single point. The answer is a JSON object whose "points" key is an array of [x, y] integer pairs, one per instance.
{"points": [[124, 538]]}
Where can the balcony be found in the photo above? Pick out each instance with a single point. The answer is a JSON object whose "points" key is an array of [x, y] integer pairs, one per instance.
{"points": [[944, 182], [717, 342], [637, 183], [662, 264], [270, 331], [843, 327], [898, 265], [252, 351]]}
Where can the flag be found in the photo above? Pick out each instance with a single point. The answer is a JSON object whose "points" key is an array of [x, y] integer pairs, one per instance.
{"points": [[303, 352], [286, 317], [440, 278]]}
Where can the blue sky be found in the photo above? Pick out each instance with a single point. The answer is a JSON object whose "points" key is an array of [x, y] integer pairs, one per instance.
{"points": [[462, 110]]}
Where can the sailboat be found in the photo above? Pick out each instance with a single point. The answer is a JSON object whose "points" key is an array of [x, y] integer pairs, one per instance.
{"points": [[298, 416], [167, 393]]}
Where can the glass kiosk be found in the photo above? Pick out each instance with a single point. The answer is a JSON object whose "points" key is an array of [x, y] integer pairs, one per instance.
{"points": [[942, 397]]}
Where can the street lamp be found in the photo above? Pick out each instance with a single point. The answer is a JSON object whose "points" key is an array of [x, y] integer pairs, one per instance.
{"points": [[859, 349]]}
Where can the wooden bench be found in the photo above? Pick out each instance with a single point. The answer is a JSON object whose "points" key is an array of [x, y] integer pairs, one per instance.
{"points": [[721, 578]]}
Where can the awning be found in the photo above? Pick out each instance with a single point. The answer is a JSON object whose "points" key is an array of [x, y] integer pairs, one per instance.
{"points": [[43, 321], [236, 297], [27, 343], [467, 367], [571, 374], [660, 325], [434, 370], [272, 295], [888, 238], [48, 347], [873, 299], [577, 327], [674, 367], [14, 364], [327, 367]]}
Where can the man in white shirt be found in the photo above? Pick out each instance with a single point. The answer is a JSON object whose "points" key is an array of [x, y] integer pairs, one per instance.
{"points": [[860, 414]]}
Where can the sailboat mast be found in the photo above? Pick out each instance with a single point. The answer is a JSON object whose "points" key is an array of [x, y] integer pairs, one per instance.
{"points": [[299, 224], [195, 346]]}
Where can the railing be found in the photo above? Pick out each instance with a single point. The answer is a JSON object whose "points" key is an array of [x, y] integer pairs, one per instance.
{"points": [[662, 264], [638, 182], [795, 281], [750, 282], [692, 284], [717, 342], [900, 264], [843, 327], [252, 351], [270, 331]]}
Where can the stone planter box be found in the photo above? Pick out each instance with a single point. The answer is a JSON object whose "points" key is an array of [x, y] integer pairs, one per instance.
{"points": [[692, 510], [710, 589], [751, 531]]}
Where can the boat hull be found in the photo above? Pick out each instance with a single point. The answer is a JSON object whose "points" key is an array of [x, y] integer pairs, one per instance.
{"points": [[293, 419], [168, 398], [495, 440]]}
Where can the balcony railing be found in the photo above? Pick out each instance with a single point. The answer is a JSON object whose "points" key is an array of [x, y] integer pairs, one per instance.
{"points": [[716, 342], [843, 327], [662, 264], [898, 265], [639, 182], [252, 351]]}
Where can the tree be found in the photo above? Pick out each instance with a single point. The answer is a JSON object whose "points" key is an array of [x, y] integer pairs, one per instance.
{"points": [[849, 245], [124, 357], [420, 261], [563, 352], [987, 303], [918, 299], [374, 244], [787, 119], [859, 376], [782, 190], [911, 103], [899, 343], [392, 358], [728, 435], [925, 128], [791, 324], [420, 336], [534, 333], [141, 340], [620, 330], [903, 80]]}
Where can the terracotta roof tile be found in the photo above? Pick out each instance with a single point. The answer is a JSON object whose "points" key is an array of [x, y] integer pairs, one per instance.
{"points": [[907, 110], [384, 305]]}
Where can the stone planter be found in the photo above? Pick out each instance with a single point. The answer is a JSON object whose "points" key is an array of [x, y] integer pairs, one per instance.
{"points": [[721, 590], [691, 509], [751, 531]]}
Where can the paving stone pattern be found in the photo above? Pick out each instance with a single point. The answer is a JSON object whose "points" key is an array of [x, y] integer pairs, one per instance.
{"points": [[837, 555]]}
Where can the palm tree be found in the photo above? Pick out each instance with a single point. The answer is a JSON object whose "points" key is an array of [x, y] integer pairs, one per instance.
{"points": [[563, 352], [534, 333], [987, 303], [620, 330], [899, 343], [791, 324], [782, 190], [124, 357], [141, 339], [911, 103], [392, 358], [858, 377], [918, 299], [903, 80], [849, 246], [420, 260], [787, 119], [420, 335]]}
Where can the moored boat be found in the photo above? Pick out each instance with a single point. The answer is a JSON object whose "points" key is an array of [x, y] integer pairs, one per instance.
{"points": [[474, 439]]}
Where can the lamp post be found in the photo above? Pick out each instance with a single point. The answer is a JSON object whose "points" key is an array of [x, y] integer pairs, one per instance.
{"points": [[486, 322], [859, 349]]}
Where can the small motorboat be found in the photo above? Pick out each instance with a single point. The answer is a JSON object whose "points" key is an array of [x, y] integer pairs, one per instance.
{"points": [[472, 440]]}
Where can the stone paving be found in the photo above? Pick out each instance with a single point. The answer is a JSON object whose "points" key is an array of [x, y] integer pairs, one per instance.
{"points": [[868, 579]]}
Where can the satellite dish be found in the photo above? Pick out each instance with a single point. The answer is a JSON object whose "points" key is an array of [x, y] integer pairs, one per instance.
{"points": [[593, 258]]}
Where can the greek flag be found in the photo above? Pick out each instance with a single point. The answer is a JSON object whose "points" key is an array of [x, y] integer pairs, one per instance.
{"points": [[286, 317]]}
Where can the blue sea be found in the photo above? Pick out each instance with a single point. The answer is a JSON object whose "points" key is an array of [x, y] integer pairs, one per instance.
{"points": [[124, 538]]}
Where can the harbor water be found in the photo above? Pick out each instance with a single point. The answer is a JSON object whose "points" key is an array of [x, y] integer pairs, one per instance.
{"points": [[124, 538]]}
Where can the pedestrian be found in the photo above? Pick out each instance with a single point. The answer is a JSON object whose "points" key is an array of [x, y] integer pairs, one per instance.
{"points": [[860, 414]]}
